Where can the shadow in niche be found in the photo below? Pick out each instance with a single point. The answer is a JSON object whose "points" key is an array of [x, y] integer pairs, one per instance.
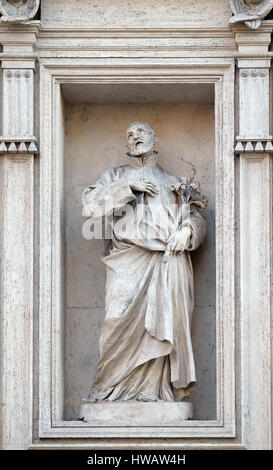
{"points": [[183, 118], [269, 16], [203, 323], [37, 17]]}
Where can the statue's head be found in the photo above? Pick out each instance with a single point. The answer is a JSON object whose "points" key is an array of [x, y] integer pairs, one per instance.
{"points": [[140, 139]]}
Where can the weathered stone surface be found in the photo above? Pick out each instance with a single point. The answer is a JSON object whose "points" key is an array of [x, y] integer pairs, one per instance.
{"points": [[134, 413], [137, 14]]}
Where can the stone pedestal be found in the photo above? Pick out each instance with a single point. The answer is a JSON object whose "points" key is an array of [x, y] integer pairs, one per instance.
{"points": [[131, 413]]}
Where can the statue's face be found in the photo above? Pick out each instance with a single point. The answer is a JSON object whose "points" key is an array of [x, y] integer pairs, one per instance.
{"points": [[140, 139]]}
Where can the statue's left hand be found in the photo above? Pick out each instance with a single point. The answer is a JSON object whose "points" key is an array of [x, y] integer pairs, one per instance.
{"points": [[180, 240]]}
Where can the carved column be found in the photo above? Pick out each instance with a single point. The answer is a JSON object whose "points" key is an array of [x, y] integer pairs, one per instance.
{"points": [[254, 145], [17, 149]]}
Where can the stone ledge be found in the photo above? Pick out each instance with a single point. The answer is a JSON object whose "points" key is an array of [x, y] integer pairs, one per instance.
{"points": [[133, 413]]}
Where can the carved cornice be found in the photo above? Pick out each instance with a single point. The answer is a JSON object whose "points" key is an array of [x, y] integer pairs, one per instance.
{"points": [[250, 12], [18, 146], [18, 11], [253, 146]]}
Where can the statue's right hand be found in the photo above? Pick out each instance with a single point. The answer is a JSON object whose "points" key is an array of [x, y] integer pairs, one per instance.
{"points": [[145, 187]]}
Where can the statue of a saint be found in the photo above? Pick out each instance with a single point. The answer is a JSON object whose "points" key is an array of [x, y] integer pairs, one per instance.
{"points": [[145, 344]]}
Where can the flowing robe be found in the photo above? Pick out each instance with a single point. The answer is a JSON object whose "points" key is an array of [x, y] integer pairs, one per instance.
{"points": [[145, 342]]}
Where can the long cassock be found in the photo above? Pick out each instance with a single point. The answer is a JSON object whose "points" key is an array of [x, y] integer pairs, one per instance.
{"points": [[145, 342]]}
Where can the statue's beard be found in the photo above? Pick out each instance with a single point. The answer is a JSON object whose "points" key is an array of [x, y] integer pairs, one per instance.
{"points": [[140, 148]]}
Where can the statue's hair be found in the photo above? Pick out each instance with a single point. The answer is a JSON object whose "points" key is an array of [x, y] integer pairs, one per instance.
{"points": [[149, 129]]}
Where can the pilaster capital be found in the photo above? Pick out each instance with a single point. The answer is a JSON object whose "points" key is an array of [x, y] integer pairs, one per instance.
{"points": [[254, 107], [254, 62], [18, 63], [18, 42], [253, 43], [18, 112]]}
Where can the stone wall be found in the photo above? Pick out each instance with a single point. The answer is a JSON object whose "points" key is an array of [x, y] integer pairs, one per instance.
{"points": [[138, 13]]}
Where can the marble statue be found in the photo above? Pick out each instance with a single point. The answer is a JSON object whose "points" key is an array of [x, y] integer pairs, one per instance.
{"points": [[18, 11], [251, 12], [145, 344]]}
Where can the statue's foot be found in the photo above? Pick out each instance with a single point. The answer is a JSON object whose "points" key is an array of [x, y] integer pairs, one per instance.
{"points": [[147, 397]]}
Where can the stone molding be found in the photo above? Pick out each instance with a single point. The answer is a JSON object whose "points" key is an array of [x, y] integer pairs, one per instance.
{"points": [[253, 146], [18, 147]]}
